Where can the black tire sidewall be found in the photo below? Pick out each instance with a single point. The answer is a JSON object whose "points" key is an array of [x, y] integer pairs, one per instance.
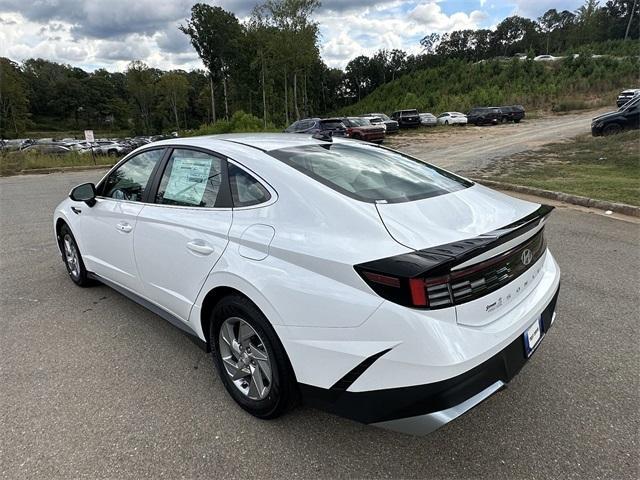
{"points": [[82, 279], [612, 129], [280, 394]]}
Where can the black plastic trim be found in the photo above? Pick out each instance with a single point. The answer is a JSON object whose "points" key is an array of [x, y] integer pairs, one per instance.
{"points": [[394, 403], [351, 376], [436, 261], [172, 319]]}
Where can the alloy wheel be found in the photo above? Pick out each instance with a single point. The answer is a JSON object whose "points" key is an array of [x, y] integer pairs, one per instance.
{"points": [[245, 358], [71, 255]]}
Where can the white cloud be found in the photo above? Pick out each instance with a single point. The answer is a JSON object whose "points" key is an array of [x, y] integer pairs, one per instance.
{"points": [[109, 34]]}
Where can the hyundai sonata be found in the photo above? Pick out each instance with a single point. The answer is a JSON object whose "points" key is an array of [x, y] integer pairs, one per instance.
{"points": [[343, 274]]}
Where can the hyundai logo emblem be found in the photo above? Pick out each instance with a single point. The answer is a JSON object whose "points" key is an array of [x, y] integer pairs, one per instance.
{"points": [[526, 257]]}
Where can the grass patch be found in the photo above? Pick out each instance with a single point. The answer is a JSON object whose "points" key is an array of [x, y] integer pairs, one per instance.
{"points": [[605, 168], [16, 162]]}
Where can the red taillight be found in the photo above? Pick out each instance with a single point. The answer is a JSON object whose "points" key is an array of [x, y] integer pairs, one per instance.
{"points": [[383, 279], [405, 291], [418, 296]]}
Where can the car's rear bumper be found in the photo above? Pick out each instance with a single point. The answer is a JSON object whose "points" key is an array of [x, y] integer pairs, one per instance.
{"points": [[420, 409]]}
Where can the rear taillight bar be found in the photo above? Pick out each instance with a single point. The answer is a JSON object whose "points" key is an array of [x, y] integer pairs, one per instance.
{"points": [[400, 280]]}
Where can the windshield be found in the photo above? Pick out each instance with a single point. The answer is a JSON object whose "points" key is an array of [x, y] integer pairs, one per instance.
{"points": [[406, 113], [369, 173], [631, 103]]}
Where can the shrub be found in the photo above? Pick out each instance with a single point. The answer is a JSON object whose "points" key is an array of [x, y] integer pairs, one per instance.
{"points": [[240, 122]]}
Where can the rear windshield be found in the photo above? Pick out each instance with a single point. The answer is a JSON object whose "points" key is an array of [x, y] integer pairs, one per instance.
{"points": [[370, 173], [405, 113], [332, 124]]}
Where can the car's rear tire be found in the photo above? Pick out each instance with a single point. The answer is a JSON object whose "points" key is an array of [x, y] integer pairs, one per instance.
{"points": [[612, 129], [250, 359], [516, 120], [72, 258]]}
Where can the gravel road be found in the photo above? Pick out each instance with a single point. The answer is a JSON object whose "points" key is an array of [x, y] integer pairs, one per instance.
{"points": [[465, 148]]}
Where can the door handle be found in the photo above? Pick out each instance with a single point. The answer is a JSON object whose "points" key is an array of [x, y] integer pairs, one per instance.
{"points": [[76, 210], [124, 227], [200, 247]]}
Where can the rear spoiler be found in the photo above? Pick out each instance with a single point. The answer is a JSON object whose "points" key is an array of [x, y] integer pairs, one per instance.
{"points": [[440, 260]]}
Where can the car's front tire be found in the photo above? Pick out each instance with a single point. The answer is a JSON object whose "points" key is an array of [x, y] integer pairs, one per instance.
{"points": [[250, 359], [72, 258], [612, 129]]}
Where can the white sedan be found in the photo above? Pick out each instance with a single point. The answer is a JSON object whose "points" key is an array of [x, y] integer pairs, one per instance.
{"points": [[350, 276], [452, 118]]}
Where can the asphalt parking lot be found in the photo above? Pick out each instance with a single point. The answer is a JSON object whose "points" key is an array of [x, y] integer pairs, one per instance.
{"points": [[92, 385]]}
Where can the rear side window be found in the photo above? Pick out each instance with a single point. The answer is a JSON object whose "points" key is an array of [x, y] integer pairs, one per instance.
{"points": [[245, 189], [370, 174], [190, 179]]}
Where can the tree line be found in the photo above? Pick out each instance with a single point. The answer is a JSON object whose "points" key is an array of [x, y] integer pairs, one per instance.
{"points": [[270, 66]]}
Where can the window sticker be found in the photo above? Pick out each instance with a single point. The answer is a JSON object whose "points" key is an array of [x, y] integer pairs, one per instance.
{"points": [[188, 180]]}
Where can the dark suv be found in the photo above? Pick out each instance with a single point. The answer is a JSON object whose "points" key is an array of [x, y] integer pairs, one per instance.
{"points": [[627, 95], [484, 116], [318, 125], [406, 118], [512, 113], [626, 117]]}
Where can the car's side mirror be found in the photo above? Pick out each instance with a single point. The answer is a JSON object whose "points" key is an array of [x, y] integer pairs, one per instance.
{"points": [[85, 192]]}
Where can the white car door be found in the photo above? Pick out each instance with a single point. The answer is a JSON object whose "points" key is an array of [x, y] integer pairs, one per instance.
{"points": [[182, 234], [107, 227]]}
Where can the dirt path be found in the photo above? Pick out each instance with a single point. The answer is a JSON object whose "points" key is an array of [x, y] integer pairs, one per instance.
{"points": [[462, 149]]}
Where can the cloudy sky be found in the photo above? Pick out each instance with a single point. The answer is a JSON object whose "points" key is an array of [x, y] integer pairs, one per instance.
{"points": [[109, 33]]}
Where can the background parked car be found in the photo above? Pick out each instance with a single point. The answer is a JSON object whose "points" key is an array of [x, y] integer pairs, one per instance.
{"points": [[360, 129], [512, 113], [406, 118], [316, 125], [375, 121], [484, 116], [626, 117], [428, 120], [392, 125], [48, 148], [627, 95], [452, 118], [111, 148]]}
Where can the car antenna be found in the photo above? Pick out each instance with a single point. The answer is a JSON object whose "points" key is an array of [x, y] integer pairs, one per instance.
{"points": [[326, 136]]}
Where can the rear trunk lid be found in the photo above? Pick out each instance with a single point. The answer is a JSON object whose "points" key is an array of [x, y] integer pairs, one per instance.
{"points": [[487, 247], [452, 217]]}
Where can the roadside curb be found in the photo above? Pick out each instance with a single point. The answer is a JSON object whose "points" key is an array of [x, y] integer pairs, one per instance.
{"points": [[622, 208], [79, 168]]}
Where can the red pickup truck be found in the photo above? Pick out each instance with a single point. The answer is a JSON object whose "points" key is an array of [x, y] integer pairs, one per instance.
{"points": [[361, 129]]}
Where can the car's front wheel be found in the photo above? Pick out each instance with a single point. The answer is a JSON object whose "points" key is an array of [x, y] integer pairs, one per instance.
{"points": [[250, 359], [612, 129], [72, 258]]}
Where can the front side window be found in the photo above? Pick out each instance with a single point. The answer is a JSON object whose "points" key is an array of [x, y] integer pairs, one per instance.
{"points": [[190, 179], [129, 181], [370, 174], [246, 190]]}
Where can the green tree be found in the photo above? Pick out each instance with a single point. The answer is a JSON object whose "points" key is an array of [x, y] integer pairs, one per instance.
{"points": [[141, 89], [14, 115], [215, 34], [173, 89]]}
